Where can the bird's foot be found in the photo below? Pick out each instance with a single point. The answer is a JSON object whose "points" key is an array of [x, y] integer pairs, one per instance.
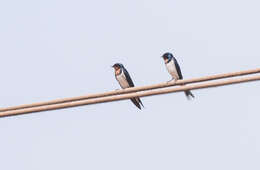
{"points": [[171, 81]]}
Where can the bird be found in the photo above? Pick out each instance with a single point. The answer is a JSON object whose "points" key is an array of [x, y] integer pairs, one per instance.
{"points": [[125, 81], [174, 70]]}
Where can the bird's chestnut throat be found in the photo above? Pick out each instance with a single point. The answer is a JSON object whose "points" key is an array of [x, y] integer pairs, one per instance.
{"points": [[166, 60], [117, 71]]}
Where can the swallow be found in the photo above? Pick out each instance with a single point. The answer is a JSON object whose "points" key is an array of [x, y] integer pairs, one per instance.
{"points": [[175, 70], [125, 81]]}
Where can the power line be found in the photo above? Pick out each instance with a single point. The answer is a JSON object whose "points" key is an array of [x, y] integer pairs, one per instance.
{"points": [[134, 89], [130, 95]]}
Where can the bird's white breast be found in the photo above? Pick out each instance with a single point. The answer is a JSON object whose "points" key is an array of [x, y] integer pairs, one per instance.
{"points": [[172, 69], [122, 80]]}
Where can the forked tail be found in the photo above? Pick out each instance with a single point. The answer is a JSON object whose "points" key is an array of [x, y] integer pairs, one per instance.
{"points": [[189, 95]]}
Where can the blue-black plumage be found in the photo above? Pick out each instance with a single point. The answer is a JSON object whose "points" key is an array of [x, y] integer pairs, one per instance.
{"points": [[125, 81], [174, 69]]}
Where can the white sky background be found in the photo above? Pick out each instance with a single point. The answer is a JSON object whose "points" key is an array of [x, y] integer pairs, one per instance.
{"points": [[54, 48]]}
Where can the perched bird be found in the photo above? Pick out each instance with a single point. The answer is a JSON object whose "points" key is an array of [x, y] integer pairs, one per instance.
{"points": [[125, 81], [174, 70]]}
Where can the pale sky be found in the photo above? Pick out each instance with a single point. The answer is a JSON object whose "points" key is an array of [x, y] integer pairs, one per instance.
{"points": [[54, 49]]}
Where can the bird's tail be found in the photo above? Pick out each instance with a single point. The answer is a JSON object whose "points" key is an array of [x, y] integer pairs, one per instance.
{"points": [[137, 102], [189, 95]]}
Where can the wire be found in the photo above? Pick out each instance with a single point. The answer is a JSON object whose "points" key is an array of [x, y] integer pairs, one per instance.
{"points": [[134, 89], [130, 95]]}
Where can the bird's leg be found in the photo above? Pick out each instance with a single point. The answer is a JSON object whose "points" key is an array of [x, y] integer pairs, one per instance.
{"points": [[172, 80]]}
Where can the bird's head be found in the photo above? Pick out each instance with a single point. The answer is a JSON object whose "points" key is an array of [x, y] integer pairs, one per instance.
{"points": [[167, 57], [118, 67]]}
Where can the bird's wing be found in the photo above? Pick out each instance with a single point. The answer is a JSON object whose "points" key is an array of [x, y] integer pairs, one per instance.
{"points": [[177, 68], [128, 78], [137, 101]]}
